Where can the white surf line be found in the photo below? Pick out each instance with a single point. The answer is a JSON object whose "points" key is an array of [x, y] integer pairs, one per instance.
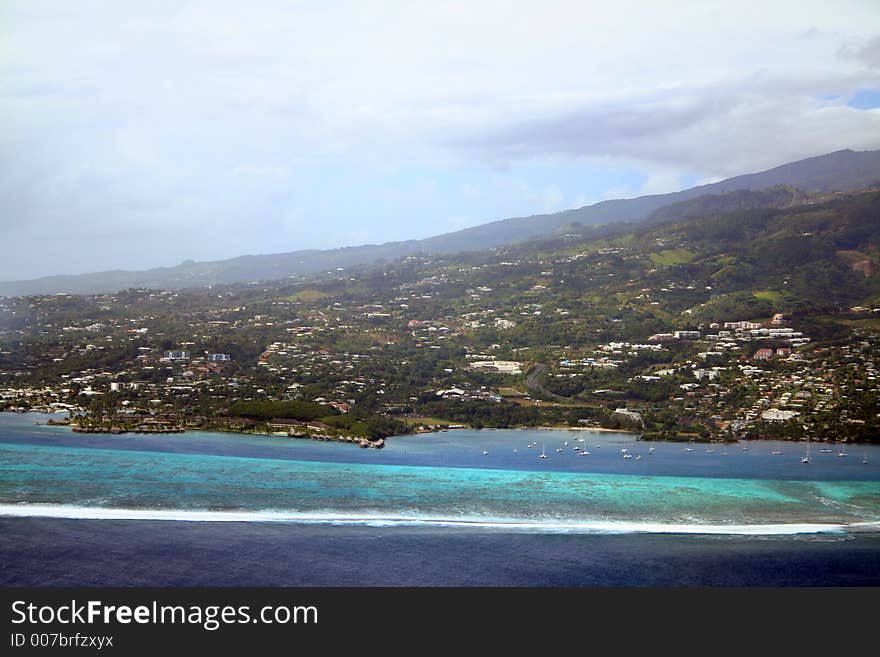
{"points": [[573, 526]]}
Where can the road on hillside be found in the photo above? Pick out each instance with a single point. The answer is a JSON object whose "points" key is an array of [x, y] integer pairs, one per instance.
{"points": [[533, 382]]}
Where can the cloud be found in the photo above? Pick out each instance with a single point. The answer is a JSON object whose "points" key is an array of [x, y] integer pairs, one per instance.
{"points": [[661, 183], [620, 191], [579, 201], [864, 51], [548, 199], [720, 130], [147, 133]]}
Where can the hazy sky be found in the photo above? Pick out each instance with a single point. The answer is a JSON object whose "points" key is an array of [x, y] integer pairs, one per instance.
{"points": [[139, 134]]}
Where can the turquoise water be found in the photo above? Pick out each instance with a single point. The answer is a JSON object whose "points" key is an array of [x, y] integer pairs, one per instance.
{"points": [[51, 471]]}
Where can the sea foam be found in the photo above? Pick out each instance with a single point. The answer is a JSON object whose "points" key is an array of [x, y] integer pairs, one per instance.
{"points": [[502, 524]]}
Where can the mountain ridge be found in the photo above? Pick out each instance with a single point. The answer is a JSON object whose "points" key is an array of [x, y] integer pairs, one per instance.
{"points": [[843, 170]]}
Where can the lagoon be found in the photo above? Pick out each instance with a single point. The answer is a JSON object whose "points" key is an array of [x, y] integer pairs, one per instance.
{"points": [[441, 486]]}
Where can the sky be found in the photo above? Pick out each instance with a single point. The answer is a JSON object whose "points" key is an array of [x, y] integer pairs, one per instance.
{"points": [[140, 134]]}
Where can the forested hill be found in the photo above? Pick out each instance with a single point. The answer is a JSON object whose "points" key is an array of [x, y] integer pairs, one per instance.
{"points": [[776, 249], [817, 255], [781, 196], [840, 171]]}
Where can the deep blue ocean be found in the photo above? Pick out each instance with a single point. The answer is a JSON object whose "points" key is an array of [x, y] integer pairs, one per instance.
{"points": [[445, 509]]}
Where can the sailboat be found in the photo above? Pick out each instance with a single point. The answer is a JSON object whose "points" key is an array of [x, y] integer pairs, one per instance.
{"points": [[543, 454], [842, 451], [776, 452], [865, 457], [806, 458]]}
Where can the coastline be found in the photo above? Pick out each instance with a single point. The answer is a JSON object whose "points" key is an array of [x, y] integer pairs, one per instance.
{"points": [[596, 429], [379, 443]]}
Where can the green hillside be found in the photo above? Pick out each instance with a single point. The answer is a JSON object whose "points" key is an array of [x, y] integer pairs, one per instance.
{"points": [[758, 321]]}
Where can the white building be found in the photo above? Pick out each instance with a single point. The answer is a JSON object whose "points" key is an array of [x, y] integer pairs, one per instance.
{"points": [[500, 366], [777, 415]]}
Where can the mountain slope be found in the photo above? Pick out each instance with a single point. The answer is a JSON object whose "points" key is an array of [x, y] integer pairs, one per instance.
{"points": [[844, 170], [841, 171]]}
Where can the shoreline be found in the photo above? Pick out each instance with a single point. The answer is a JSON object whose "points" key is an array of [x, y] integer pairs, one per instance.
{"points": [[596, 429], [356, 440]]}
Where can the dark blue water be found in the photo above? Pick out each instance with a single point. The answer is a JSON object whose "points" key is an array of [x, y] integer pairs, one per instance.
{"points": [[63, 552]]}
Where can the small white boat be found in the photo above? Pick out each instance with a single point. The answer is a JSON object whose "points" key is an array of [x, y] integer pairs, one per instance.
{"points": [[558, 449], [650, 450], [842, 451], [515, 450], [543, 454], [806, 458], [627, 455], [485, 452], [865, 457], [584, 452]]}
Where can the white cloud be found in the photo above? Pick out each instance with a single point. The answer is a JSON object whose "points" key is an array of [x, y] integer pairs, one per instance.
{"points": [[661, 183], [123, 118], [620, 191], [579, 201], [548, 199]]}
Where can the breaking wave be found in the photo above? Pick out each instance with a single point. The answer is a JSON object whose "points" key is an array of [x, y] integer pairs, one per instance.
{"points": [[500, 524]]}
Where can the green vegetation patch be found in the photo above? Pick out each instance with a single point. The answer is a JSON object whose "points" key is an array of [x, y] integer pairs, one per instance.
{"points": [[671, 257], [307, 295], [773, 296], [290, 410]]}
